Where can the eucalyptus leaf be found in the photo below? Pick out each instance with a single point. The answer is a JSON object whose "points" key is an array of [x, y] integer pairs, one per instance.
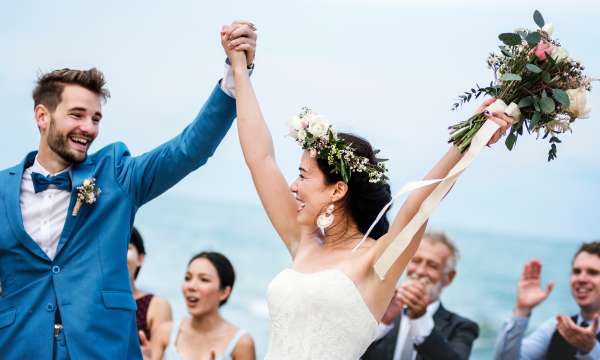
{"points": [[547, 105], [539, 19], [535, 119], [511, 139], [546, 77], [525, 102], [562, 97], [510, 39], [534, 68], [510, 77], [533, 38]]}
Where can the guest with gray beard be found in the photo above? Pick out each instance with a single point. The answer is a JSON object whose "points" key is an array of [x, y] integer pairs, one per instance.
{"points": [[416, 326]]}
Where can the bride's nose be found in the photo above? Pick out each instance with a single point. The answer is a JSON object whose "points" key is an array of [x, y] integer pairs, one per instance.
{"points": [[294, 187]]}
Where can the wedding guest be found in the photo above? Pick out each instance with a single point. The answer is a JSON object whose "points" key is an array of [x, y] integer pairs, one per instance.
{"points": [[205, 334], [416, 325], [67, 215], [151, 309], [561, 337]]}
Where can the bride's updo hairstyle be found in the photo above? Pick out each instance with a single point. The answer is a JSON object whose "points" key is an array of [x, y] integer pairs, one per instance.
{"points": [[364, 200]]}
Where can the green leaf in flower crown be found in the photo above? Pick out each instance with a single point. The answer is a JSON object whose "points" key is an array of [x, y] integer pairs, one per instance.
{"points": [[547, 105], [533, 68], [539, 19], [345, 175], [510, 39], [533, 38], [510, 77], [511, 139], [562, 97], [535, 119], [525, 102]]}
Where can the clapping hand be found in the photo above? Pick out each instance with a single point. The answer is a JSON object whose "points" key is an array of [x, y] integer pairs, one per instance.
{"points": [[414, 294], [529, 290], [394, 308], [582, 338], [145, 346]]}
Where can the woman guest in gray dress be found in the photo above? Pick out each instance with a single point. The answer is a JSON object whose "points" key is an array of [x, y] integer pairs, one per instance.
{"points": [[204, 334]]}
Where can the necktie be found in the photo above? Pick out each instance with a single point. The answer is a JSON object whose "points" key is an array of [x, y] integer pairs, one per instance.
{"points": [[408, 346], [62, 181]]}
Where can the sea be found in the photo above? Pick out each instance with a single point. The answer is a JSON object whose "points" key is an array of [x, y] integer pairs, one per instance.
{"points": [[175, 227]]}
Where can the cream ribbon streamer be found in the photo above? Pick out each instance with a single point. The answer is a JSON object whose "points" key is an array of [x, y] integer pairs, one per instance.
{"points": [[402, 240]]}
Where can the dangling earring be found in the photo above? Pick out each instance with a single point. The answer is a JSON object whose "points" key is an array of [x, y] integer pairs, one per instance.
{"points": [[326, 219]]}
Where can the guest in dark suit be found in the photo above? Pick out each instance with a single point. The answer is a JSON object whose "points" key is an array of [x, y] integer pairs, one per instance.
{"points": [[416, 325], [561, 337]]}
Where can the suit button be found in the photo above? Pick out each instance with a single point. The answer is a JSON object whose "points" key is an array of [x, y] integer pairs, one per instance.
{"points": [[56, 269], [50, 307]]}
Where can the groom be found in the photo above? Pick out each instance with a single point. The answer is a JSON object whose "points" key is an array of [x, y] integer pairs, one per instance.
{"points": [[66, 217]]}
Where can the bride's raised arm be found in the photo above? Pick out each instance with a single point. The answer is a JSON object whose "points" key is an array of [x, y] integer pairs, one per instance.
{"points": [[257, 147], [414, 201]]}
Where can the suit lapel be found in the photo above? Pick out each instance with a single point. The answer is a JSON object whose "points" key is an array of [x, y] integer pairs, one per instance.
{"points": [[12, 193], [79, 173], [441, 319]]}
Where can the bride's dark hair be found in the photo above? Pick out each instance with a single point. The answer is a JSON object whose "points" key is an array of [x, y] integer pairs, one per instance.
{"points": [[364, 200]]}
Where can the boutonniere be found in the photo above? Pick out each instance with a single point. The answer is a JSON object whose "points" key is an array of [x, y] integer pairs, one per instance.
{"points": [[87, 193]]}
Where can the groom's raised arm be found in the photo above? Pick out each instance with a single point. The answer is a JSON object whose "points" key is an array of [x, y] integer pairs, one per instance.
{"points": [[152, 173]]}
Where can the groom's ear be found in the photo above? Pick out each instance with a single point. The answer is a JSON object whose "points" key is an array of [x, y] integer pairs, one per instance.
{"points": [[42, 117]]}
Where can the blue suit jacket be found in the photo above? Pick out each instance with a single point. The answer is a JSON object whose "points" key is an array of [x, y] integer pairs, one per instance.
{"points": [[88, 279]]}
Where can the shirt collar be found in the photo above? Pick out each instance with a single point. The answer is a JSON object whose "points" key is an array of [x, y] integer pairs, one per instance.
{"points": [[433, 307], [38, 168]]}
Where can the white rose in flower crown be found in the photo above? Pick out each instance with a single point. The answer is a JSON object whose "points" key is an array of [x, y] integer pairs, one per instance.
{"points": [[317, 125], [559, 54], [578, 103], [548, 28]]}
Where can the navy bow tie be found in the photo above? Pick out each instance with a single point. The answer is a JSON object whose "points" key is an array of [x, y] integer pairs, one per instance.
{"points": [[62, 181]]}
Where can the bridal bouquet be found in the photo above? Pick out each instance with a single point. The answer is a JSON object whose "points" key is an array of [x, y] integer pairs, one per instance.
{"points": [[544, 88]]}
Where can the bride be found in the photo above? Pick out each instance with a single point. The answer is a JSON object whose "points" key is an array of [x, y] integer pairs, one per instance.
{"points": [[328, 304]]}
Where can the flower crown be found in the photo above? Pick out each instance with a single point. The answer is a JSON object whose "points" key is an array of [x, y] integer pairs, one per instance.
{"points": [[314, 133]]}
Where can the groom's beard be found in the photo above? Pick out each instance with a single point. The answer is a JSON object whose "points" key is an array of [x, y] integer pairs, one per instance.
{"points": [[59, 143]]}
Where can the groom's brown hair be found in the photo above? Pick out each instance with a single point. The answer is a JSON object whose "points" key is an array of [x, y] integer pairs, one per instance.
{"points": [[49, 87]]}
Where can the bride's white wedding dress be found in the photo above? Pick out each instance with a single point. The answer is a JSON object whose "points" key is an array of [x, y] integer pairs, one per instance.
{"points": [[318, 316]]}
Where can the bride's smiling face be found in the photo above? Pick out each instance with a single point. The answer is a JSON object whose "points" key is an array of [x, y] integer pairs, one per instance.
{"points": [[312, 193]]}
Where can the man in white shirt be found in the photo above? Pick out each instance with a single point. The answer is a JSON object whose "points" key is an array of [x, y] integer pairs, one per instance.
{"points": [[416, 325], [561, 337]]}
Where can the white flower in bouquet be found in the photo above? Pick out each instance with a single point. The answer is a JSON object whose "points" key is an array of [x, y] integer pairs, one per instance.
{"points": [[301, 135], [294, 125], [548, 28], [578, 103], [559, 54], [317, 125]]}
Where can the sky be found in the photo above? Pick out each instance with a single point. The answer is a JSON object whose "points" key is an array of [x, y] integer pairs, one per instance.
{"points": [[387, 70]]}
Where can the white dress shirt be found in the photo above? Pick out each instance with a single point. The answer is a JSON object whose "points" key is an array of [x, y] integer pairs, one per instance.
{"points": [[44, 214], [418, 329], [512, 343]]}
